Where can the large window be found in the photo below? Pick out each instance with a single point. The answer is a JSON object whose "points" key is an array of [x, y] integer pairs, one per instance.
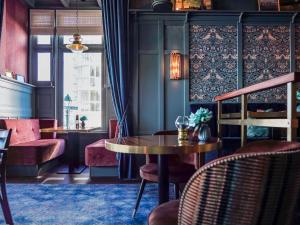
{"points": [[83, 82], [57, 72]]}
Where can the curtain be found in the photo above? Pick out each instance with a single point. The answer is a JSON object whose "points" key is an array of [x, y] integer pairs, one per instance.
{"points": [[115, 23], [1, 15]]}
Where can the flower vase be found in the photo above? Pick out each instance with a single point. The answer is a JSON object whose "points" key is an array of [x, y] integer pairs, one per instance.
{"points": [[204, 133], [82, 124]]}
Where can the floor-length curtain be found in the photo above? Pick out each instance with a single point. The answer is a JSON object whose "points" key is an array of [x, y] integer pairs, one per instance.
{"points": [[115, 22]]}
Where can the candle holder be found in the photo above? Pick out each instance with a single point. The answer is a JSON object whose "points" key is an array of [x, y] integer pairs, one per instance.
{"points": [[182, 124]]}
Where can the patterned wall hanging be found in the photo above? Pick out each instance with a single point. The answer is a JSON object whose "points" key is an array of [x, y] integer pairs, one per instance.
{"points": [[266, 55], [213, 61]]}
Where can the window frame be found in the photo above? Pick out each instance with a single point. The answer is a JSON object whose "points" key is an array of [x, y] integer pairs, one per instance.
{"points": [[41, 48]]}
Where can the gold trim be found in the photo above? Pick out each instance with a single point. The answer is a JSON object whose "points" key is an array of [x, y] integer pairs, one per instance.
{"points": [[172, 148]]}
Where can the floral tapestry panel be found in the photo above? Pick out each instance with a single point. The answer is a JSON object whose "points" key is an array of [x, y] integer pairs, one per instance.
{"points": [[266, 55], [213, 61]]}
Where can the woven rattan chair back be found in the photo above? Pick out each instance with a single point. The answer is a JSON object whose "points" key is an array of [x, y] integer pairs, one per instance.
{"points": [[243, 189]]}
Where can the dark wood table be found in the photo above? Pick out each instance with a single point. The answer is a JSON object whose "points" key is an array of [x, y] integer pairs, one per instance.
{"points": [[162, 146], [72, 147]]}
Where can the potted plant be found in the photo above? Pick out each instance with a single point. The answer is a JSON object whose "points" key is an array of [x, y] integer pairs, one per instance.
{"points": [[199, 121], [83, 119]]}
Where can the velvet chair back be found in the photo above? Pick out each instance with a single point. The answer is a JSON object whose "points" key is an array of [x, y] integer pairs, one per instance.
{"points": [[245, 189]]}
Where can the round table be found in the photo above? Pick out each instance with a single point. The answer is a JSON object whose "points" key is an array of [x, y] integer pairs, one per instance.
{"points": [[162, 146]]}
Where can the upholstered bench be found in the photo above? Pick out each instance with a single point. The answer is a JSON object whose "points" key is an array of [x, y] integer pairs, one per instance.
{"points": [[31, 152], [102, 163]]}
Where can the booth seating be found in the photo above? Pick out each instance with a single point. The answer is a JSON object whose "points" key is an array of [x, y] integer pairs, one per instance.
{"points": [[101, 161], [30, 153]]}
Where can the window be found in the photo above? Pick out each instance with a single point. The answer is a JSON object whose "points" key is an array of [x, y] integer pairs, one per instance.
{"points": [[42, 56], [82, 76], [44, 66], [83, 87], [44, 40]]}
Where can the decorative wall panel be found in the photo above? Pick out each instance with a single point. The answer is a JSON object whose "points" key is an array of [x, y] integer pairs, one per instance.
{"points": [[297, 47], [213, 61], [266, 55]]}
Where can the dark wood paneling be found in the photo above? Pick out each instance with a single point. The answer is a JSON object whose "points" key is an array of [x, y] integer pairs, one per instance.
{"points": [[45, 102]]}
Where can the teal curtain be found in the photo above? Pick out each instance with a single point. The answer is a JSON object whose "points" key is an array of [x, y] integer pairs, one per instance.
{"points": [[115, 22]]}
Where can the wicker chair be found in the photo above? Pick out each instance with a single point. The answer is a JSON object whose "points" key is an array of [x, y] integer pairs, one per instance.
{"points": [[4, 142], [241, 189], [179, 171]]}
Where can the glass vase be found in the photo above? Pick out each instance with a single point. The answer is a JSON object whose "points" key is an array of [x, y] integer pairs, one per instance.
{"points": [[182, 124], [204, 133]]}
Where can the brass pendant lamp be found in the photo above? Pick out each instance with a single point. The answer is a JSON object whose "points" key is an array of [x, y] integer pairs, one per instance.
{"points": [[76, 45]]}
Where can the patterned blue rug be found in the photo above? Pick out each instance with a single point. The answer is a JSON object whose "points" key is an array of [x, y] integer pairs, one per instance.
{"points": [[85, 204]]}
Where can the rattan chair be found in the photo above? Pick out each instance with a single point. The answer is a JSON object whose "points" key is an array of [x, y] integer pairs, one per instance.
{"points": [[179, 171], [4, 142], [241, 189]]}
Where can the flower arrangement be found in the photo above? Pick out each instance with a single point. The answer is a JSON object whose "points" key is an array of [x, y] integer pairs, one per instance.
{"points": [[202, 115], [83, 118]]}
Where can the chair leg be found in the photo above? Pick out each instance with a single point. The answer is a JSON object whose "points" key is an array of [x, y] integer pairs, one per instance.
{"points": [[177, 191], [137, 204], [4, 202]]}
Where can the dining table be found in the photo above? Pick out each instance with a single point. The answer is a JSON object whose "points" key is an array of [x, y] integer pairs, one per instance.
{"points": [[163, 146], [71, 136]]}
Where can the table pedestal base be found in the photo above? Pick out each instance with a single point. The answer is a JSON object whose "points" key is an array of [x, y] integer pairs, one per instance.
{"points": [[163, 182]]}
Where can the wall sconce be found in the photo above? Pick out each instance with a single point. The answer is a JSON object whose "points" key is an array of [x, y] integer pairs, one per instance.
{"points": [[175, 66]]}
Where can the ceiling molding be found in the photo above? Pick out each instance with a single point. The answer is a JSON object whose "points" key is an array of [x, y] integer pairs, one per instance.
{"points": [[30, 3], [65, 3]]}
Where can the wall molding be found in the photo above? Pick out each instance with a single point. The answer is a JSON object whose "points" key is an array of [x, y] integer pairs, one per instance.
{"points": [[17, 99]]}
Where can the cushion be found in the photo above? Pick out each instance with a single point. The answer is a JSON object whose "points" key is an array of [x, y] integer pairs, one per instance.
{"points": [[48, 123], [268, 146], [165, 214], [178, 173], [113, 128], [23, 130], [35, 152], [97, 155]]}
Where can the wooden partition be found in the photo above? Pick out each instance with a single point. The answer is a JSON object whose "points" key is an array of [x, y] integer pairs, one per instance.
{"points": [[286, 119]]}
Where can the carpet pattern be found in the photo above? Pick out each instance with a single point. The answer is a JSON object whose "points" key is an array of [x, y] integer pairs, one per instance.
{"points": [[75, 204]]}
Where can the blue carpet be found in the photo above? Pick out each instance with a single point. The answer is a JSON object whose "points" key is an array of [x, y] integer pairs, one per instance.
{"points": [[101, 204]]}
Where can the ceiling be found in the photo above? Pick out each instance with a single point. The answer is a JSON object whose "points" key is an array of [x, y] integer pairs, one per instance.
{"points": [[67, 4]]}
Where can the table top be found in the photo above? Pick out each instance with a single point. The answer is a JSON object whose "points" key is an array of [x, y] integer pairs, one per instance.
{"points": [[160, 145], [68, 130]]}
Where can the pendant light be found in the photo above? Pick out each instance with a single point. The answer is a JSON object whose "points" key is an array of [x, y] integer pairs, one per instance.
{"points": [[76, 45]]}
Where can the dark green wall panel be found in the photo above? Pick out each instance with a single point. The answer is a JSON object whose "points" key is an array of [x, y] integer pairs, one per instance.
{"points": [[148, 94]]}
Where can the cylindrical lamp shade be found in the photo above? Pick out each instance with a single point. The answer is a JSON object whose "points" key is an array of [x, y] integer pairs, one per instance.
{"points": [[175, 66]]}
